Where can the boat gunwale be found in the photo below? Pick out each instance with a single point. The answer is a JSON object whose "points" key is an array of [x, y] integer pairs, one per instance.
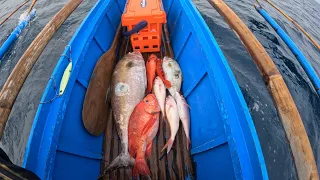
{"points": [[63, 100], [201, 30], [199, 27]]}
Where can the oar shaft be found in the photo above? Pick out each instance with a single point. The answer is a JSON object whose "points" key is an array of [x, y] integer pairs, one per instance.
{"points": [[30, 8], [15, 34], [295, 23], [20, 72], [5, 19], [287, 110], [294, 48]]}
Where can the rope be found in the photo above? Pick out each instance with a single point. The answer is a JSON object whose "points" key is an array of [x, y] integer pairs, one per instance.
{"points": [[17, 8], [55, 89]]}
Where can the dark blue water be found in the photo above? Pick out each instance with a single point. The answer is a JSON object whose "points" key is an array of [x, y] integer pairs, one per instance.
{"points": [[271, 134]]}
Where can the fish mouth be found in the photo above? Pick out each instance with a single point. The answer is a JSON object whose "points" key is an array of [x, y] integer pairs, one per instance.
{"points": [[136, 53]]}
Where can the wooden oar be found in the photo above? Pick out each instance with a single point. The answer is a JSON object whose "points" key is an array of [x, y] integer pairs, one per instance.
{"points": [[95, 108], [30, 8], [20, 72], [287, 110], [5, 19], [295, 23]]}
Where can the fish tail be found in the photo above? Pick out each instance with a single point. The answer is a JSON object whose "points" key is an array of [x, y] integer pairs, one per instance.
{"points": [[163, 116], [122, 160], [140, 167], [168, 145]]}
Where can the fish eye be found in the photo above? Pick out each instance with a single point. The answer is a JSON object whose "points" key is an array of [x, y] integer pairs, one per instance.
{"points": [[146, 100]]}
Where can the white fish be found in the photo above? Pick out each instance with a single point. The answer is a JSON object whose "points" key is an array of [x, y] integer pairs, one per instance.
{"points": [[173, 119], [160, 91], [183, 110], [173, 74]]}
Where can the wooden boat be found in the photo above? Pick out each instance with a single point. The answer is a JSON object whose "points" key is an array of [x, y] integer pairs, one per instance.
{"points": [[225, 144]]}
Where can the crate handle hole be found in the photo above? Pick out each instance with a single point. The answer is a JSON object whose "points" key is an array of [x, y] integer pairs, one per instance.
{"points": [[145, 38], [154, 37], [137, 47], [146, 47], [135, 39], [155, 46]]}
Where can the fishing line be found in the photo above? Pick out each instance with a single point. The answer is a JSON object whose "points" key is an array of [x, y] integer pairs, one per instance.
{"points": [[55, 89], [54, 81]]}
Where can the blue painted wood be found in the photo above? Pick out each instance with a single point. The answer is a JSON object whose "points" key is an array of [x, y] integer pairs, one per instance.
{"points": [[209, 145], [294, 49], [15, 34], [224, 141]]}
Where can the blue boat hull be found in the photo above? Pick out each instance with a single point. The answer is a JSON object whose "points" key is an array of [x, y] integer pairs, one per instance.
{"points": [[225, 144]]}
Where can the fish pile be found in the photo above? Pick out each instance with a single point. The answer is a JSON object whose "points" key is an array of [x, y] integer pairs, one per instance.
{"points": [[137, 116]]}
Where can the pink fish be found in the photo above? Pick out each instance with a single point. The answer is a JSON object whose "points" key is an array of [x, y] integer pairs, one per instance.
{"points": [[160, 91], [183, 111], [173, 119]]}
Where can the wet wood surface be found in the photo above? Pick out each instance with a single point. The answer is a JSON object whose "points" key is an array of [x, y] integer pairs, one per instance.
{"points": [[175, 165]]}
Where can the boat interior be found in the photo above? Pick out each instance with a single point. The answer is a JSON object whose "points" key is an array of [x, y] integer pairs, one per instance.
{"points": [[223, 138]]}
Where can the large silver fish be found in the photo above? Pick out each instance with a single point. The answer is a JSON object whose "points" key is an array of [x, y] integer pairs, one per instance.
{"points": [[173, 74], [128, 87]]}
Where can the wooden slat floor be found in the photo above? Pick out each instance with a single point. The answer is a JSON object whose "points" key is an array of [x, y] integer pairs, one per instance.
{"points": [[176, 165]]}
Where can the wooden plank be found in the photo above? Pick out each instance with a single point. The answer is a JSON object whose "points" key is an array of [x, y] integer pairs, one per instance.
{"points": [[161, 143], [178, 160], [287, 110], [187, 159], [159, 169], [22, 69], [153, 160], [115, 152], [170, 172], [128, 173], [121, 171], [107, 144]]}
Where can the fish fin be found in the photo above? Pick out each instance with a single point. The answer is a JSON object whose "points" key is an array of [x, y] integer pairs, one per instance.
{"points": [[152, 110], [140, 167], [149, 125], [149, 149], [187, 105], [185, 102], [122, 160], [167, 83], [168, 145]]}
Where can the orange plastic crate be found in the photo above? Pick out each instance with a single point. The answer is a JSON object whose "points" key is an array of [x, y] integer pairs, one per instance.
{"points": [[149, 38]]}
